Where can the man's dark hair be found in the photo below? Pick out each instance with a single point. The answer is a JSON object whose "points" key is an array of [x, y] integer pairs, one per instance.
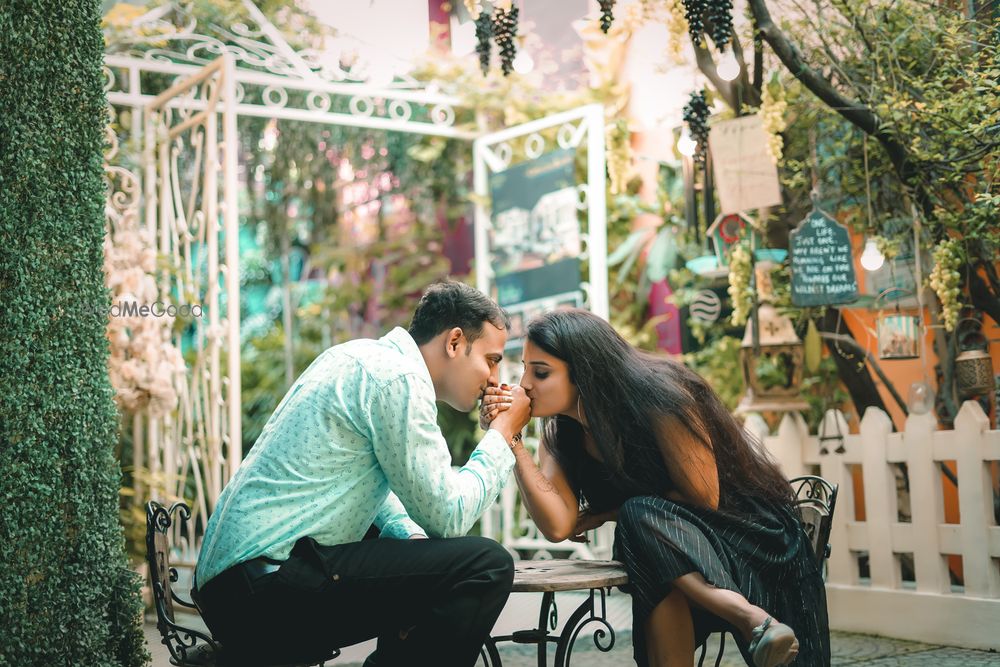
{"points": [[449, 304]]}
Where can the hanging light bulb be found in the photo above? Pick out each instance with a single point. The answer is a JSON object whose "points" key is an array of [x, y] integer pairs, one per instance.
{"points": [[920, 400], [686, 145], [523, 62], [728, 68], [872, 258]]}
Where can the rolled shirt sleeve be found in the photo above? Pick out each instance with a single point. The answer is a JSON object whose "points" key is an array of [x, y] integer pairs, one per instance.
{"points": [[393, 521], [414, 456]]}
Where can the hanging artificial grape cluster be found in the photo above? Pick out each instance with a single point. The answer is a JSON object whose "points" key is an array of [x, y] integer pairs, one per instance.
{"points": [[694, 12], [484, 31], [607, 17], [504, 31], [945, 280], [696, 117], [619, 156], [772, 114], [677, 27], [719, 12], [740, 292]]}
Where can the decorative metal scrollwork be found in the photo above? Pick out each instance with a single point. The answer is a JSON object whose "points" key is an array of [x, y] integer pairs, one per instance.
{"points": [[534, 145], [362, 106], [400, 110], [317, 101], [275, 97], [443, 114], [584, 615]]}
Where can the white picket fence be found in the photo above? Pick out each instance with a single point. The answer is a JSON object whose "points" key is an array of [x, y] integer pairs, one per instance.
{"points": [[930, 608]]}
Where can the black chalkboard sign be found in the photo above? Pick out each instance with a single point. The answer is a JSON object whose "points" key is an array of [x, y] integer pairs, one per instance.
{"points": [[822, 265]]}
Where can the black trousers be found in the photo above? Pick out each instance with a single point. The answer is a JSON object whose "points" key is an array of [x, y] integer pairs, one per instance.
{"points": [[443, 594]]}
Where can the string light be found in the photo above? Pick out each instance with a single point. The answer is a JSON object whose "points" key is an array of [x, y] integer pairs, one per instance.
{"points": [[728, 67], [872, 258], [523, 62], [686, 145]]}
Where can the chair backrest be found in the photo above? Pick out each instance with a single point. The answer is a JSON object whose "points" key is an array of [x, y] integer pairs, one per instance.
{"points": [[816, 500], [182, 642], [158, 522]]}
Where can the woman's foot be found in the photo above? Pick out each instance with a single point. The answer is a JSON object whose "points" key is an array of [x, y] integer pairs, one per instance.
{"points": [[773, 644]]}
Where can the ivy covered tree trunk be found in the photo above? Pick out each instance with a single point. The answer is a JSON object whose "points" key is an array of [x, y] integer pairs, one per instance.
{"points": [[67, 596]]}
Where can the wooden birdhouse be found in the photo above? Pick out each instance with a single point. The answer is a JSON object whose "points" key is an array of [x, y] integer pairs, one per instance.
{"points": [[729, 229]]}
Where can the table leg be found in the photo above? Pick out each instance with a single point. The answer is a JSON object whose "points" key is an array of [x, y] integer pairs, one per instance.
{"points": [[490, 654], [583, 615]]}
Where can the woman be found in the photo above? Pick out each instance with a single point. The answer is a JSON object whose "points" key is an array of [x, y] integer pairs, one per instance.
{"points": [[706, 527]]}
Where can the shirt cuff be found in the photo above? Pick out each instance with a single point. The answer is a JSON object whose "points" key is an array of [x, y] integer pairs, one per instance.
{"points": [[401, 529], [494, 445]]}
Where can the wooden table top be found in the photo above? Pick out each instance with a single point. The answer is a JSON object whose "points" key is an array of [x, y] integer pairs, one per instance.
{"points": [[563, 574]]}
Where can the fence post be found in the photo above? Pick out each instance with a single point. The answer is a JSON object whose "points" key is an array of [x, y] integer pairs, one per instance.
{"points": [[787, 445], [880, 498], [833, 468], [926, 504], [975, 496]]}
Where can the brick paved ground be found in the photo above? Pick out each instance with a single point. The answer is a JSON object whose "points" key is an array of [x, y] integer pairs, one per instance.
{"points": [[522, 611]]}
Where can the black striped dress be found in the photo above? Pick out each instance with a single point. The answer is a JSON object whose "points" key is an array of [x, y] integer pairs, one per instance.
{"points": [[753, 548]]}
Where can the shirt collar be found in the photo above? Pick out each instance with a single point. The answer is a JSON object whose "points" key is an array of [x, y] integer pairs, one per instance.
{"points": [[401, 339]]}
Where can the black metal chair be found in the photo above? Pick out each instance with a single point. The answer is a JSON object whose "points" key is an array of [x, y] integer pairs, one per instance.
{"points": [[188, 647], [815, 499]]}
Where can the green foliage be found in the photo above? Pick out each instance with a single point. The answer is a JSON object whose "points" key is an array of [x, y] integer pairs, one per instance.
{"points": [[67, 596], [719, 363], [823, 391], [932, 77]]}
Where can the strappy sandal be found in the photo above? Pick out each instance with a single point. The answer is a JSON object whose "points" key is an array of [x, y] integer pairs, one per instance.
{"points": [[773, 644]]}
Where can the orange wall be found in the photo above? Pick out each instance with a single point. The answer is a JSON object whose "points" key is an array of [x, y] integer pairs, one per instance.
{"points": [[902, 372]]}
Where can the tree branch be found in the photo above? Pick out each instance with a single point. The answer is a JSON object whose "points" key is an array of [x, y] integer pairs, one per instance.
{"points": [[749, 94], [758, 65], [860, 115], [706, 63], [982, 298]]}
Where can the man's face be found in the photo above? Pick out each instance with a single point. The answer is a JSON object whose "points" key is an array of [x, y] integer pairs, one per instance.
{"points": [[472, 370]]}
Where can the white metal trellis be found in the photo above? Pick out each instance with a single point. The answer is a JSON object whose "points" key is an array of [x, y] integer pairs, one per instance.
{"points": [[202, 438], [253, 72], [492, 153]]}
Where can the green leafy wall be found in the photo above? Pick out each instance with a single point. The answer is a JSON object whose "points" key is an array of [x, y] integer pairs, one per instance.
{"points": [[67, 596]]}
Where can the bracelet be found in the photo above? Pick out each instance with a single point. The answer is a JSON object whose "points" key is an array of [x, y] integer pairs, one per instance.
{"points": [[515, 440]]}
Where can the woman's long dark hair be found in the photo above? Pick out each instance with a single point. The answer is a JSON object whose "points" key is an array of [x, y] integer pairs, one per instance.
{"points": [[625, 395]]}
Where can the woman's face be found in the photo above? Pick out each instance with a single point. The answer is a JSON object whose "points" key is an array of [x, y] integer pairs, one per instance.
{"points": [[546, 381]]}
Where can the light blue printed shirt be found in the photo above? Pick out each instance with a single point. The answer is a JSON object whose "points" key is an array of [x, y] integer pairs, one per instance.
{"points": [[355, 441]]}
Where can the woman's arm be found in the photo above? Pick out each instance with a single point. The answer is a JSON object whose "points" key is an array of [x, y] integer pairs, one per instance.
{"points": [[690, 463], [546, 493]]}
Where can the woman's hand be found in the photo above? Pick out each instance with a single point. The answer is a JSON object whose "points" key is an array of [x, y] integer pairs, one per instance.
{"points": [[511, 421], [586, 521], [495, 400]]}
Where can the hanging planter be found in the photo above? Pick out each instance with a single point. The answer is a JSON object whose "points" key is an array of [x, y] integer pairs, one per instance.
{"points": [[898, 333], [973, 365]]}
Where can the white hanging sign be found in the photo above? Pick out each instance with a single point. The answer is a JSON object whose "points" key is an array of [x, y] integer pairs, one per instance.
{"points": [[745, 175]]}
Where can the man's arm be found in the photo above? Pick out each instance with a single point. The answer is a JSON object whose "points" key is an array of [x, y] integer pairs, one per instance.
{"points": [[415, 459], [393, 521]]}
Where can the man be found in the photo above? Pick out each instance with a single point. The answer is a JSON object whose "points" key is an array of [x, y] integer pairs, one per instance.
{"points": [[284, 572]]}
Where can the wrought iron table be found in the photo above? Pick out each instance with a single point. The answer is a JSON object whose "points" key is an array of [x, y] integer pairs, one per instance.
{"points": [[549, 577]]}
